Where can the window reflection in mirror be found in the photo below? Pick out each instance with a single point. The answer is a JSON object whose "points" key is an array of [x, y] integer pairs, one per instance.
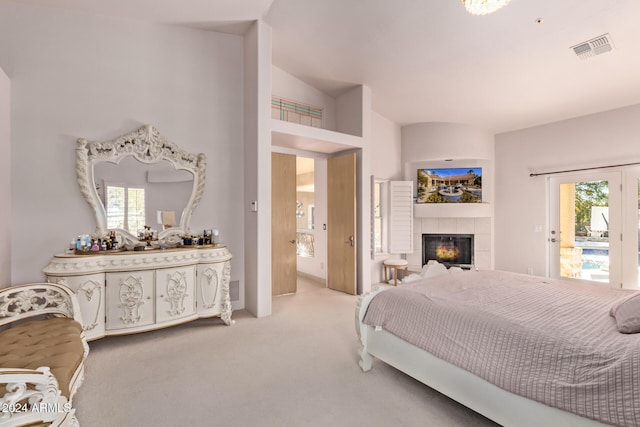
{"points": [[125, 207], [134, 192]]}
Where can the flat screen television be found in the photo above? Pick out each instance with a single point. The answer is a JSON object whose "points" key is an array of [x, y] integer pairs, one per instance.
{"points": [[449, 185]]}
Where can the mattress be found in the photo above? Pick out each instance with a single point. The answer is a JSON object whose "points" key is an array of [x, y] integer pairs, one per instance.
{"points": [[552, 341]]}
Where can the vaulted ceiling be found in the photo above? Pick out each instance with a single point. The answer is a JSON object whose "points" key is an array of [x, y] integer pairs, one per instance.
{"points": [[429, 60]]}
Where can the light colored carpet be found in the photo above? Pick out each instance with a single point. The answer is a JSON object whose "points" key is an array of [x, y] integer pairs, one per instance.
{"points": [[297, 367]]}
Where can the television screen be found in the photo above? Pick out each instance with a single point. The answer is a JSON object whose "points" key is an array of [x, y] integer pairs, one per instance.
{"points": [[449, 185]]}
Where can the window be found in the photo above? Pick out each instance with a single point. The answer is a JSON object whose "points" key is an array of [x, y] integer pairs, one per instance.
{"points": [[378, 227], [400, 217], [125, 208], [391, 216]]}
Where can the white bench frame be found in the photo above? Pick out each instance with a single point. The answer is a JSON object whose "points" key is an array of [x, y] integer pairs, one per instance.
{"points": [[33, 395]]}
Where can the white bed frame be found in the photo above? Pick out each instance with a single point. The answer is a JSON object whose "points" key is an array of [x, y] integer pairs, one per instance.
{"points": [[497, 404]]}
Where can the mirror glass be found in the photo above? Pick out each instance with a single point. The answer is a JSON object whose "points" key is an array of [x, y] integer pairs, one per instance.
{"points": [[140, 179], [135, 194]]}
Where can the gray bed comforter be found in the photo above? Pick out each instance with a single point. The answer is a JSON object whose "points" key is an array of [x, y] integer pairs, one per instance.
{"points": [[552, 341]]}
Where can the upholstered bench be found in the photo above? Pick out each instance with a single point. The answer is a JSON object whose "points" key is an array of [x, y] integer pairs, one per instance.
{"points": [[42, 354]]}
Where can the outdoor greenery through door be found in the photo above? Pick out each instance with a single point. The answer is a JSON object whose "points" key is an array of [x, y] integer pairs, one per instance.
{"points": [[594, 227]]}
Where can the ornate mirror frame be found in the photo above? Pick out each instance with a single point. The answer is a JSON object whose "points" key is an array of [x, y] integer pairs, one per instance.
{"points": [[147, 146]]}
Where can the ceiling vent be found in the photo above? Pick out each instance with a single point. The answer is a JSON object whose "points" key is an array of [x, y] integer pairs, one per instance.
{"points": [[593, 47]]}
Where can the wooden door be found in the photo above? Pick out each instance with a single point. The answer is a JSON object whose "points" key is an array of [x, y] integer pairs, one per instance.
{"points": [[341, 224], [283, 224]]}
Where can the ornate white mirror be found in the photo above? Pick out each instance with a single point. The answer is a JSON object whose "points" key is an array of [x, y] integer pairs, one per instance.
{"points": [[140, 179]]}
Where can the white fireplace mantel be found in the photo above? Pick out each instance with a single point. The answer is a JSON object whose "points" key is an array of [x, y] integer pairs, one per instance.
{"points": [[452, 210]]}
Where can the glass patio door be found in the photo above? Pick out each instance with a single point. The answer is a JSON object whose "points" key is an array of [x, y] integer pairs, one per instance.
{"points": [[585, 234]]}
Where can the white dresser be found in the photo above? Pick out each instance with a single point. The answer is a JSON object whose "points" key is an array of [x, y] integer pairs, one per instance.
{"points": [[129, 292]]}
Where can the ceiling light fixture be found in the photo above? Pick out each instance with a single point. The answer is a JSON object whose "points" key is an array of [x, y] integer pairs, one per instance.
{"points": [[483, 7]]}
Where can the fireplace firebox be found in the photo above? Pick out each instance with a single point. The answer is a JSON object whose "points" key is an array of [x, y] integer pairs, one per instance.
{"points": [[448, 249]]}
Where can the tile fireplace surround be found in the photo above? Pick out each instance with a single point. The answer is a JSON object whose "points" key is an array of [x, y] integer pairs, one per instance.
{"points": [[479, 227], [454, 249]]}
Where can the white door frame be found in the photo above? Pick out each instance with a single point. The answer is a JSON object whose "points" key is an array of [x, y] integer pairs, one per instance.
{"points": [[630, 245]]}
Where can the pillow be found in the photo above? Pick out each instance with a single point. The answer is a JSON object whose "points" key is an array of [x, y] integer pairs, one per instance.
{"points": [[424, 270], [434, 269], [455, 270], [431, 269], [627, 314], [411, 278], [427, 266]]}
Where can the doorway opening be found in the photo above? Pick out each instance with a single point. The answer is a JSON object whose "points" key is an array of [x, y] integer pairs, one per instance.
{"points": [[309, 261], [314, 221], [298, 221]]}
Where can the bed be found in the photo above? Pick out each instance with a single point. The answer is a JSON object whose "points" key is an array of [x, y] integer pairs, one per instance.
{"points": [[519, 349]]}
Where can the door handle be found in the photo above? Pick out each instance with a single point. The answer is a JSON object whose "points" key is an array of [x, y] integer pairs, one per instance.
{"points": [[292, 241], [351, 241], [552, 240]]}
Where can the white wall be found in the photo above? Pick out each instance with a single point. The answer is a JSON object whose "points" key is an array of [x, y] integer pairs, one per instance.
{"points": [[77, 75], [521, 201], [353, 113], [257, 158], [385, 164], [440, 141], [361, 118], [286, 86], [5, 180], [386, 146]]}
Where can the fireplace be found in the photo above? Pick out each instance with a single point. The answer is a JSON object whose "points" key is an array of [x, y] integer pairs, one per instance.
{"points": [[449, 249]]}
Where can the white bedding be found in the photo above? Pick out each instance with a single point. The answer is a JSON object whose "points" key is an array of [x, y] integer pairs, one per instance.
{"points": [[548, 340]]}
